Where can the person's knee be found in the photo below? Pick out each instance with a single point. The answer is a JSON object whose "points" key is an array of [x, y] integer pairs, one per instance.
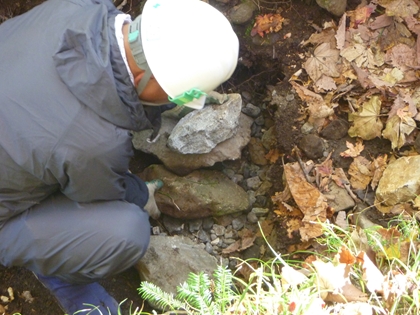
{"points": [[124, 245], [134, 231]]}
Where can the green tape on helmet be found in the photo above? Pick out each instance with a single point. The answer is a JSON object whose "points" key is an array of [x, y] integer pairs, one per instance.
{"points": [[187, 97]]}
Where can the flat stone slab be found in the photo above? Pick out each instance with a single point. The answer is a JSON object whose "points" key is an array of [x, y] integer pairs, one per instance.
{"points": [[170, 259]]}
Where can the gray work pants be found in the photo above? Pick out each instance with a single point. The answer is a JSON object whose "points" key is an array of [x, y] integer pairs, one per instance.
{"points": [[76, 242]]}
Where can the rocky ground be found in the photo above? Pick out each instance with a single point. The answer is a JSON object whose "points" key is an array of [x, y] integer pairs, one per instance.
{"points": [[278, 135]]}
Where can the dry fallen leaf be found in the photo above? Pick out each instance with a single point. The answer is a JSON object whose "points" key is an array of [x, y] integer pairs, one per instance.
{"points": [[266, 228], [372, 276], [323, 62], [353, 149], [366, 122], [402, 8], [246, 240], [327, 35], [378, 166], [340, 178], [395, 244], [309, 199], [267, 23], [273, 155], [334, 283], [280, 197], [341, 220], [326, 84], [391, 76], [341, 32], [401, 55], [284, 209], [318, 109], [247, 269], [363, 56], [381, 21], [310, 230], [360, 15], [330, 278], [345, 256], [292, 276], [360, 173], [403, 102], [293, 225], [398, 128]]}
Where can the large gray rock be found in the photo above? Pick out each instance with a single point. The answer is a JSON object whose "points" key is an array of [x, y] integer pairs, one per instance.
{"points": [[170, 259], [201, 130], [183, 164], [203, 193], [400, 183]]}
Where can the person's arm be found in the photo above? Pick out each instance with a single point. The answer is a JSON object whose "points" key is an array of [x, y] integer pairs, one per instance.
{"points": [[92, 167]]}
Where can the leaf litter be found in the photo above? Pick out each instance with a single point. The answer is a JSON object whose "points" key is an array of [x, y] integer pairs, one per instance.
{"points": [[370, 64]]}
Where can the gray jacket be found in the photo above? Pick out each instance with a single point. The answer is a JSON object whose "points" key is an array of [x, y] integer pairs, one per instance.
{"points": [[67, 106]]}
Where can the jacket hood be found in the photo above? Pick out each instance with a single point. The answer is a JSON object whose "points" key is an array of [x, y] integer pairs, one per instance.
{"points": [[89, 62]]}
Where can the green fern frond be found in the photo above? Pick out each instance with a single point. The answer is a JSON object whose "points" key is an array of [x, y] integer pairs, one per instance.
{"points": [[223, 283], [150, 292], [198, 295], [196, 291]]}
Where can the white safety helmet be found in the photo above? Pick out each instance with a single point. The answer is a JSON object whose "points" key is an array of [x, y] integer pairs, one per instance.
{"points": [[188, 45]]}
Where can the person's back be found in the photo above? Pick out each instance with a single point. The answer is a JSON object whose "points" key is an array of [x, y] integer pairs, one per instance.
{"points": [[28, 83], [59, 109]]}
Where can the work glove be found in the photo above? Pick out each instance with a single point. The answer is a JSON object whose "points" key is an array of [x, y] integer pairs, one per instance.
{"points": [[151, 206], [215, 98], [154, 114], [142, 193]]}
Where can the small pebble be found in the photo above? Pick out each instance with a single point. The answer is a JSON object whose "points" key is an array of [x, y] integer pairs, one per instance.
{"points": [[219, 230], [252, 217]]}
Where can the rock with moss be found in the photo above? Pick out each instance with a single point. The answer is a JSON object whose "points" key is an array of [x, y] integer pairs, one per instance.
{"points": [[203, 193]]}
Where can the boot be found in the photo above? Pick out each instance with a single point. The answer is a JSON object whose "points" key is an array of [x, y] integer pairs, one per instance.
{"points": [[151, 206], [82, 299]]}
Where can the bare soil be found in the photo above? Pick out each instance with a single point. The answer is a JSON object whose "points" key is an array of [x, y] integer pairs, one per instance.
{"points": [[263, 62]]}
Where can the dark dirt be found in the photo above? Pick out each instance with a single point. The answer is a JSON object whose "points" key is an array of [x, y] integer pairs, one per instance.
{"points": [[268, 62]]}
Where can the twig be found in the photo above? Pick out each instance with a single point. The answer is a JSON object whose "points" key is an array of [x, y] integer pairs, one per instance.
{"points": [[172, 199], [296, 151], [253, 76]]}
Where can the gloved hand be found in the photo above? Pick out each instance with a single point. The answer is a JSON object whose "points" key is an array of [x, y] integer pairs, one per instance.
{"points": [[151, 206], [215, 98], [142, 193]]}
